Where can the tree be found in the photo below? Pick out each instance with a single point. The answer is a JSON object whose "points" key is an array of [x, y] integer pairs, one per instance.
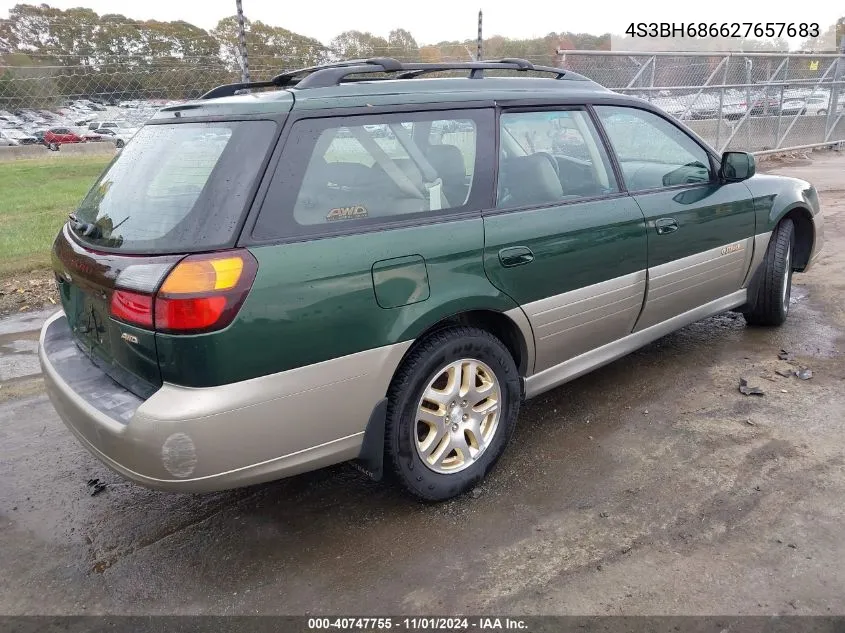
{"points": [[269, 48], [403, 46], [358, 45]]}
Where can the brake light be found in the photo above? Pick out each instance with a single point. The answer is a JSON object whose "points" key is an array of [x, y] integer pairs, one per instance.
{"points": [[204, 292], [201, 294], [132, 307]]}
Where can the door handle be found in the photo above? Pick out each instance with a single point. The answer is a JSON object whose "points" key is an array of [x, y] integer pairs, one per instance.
{"points": [[666, 225], [515, 256]]}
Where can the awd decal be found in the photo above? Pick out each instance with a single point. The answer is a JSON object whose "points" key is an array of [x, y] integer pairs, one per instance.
{"points": [[347, 213], [733, 248], [129, 338]]}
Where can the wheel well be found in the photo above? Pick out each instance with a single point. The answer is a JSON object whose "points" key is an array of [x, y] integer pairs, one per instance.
{"points": [[494, 322], [804, 236]]}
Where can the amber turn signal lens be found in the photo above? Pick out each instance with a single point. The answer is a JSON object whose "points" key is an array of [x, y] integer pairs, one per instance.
{"points": [[193, 276]]}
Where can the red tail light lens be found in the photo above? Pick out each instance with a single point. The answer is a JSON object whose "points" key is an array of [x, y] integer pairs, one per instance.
{"points": [[204, 292], [132, 307], [194, 313]]}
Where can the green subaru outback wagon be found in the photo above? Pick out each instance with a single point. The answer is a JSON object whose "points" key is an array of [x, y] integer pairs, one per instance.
{"points": [[372, 262]]}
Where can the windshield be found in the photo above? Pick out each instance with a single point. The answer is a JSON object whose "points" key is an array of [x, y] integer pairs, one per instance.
{"points": [[175, 188]]}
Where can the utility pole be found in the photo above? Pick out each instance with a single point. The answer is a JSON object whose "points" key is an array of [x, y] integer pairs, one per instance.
{"points": [[478, 50], [242, 43]]}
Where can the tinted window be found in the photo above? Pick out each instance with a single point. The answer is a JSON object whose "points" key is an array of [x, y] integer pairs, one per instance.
{"points": [[175, 188], [551, 156], [355, 171], [653, 152]]}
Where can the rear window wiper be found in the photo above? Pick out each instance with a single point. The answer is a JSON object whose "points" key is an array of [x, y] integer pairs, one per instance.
{"points": [[86, 229]]}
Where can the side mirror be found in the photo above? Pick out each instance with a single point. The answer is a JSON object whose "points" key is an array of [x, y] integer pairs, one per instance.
{"points": [[737, 166]]}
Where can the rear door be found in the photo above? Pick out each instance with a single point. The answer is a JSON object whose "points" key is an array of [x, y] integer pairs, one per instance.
{"points": [[700, 230], [563, 240]]}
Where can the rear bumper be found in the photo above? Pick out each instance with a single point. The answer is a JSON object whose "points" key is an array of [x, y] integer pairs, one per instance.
{"points": [[214, 438]]}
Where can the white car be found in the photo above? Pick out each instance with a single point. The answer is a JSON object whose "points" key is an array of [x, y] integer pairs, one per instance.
{"points": [[120, 136], [812, 105], [19, 137]]}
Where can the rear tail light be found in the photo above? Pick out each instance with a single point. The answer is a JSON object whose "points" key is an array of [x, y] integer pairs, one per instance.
{"points": [[202, 293], [132, 307]]}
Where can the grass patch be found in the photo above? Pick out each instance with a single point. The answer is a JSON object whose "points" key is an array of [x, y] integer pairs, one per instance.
{"points": [[35, 199]]}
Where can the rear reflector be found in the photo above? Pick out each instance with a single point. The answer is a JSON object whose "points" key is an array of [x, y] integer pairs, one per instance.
{"points": [[132, 307]]}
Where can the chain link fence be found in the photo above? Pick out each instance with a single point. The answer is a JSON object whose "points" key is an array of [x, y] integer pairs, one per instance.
{"points": [[754, 101]]}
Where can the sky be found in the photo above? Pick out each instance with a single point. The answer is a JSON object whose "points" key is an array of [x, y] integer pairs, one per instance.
{"points": [[433, 21]]}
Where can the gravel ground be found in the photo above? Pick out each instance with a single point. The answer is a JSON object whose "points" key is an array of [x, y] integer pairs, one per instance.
{"points": [[651, 486]]}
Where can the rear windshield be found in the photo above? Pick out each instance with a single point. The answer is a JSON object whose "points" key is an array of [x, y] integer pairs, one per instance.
{"points": [[177, 187]]}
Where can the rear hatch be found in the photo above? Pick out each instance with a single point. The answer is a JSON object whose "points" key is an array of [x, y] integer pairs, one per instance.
{"points": [[175, 190]]}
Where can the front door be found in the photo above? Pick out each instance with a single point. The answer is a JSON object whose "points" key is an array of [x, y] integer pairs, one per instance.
{"points": [[563, 240], [700, 230]]}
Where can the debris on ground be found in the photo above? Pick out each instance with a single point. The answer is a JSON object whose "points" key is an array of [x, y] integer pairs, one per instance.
{"points": [[785, 355], [476, 493], [603, 515], [749, 422], [804, 373], [747, 390], [786, 373], [95, 486], [27, 291]]}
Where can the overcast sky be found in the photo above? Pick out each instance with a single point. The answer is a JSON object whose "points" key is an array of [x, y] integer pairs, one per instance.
{"points": [[431, 21]]}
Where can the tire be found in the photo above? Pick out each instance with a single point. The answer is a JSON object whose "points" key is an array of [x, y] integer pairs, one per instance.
{"points": [[822, 112], [775, 285], [443, 359], [53, 147], [119, 144]]}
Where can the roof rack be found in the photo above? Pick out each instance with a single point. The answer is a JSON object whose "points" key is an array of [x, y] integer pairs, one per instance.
{"points": [[335, 73]]}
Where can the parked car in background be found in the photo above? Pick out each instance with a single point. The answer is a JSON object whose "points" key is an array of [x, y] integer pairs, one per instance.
{"points": [[58, 136], [7, 142], [19, 136], [120, 136], [812, 105]]}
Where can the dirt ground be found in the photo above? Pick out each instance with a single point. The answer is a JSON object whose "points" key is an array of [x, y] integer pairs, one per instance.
{"points": [[651, 486]]}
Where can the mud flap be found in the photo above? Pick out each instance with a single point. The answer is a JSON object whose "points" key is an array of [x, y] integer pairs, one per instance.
{"points": [[371, 458]]}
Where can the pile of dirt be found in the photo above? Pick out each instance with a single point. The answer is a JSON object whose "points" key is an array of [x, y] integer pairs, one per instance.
{"points": [[28, 291]]}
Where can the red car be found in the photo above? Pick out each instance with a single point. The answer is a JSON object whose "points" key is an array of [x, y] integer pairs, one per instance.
{"points": [[56, 136]]}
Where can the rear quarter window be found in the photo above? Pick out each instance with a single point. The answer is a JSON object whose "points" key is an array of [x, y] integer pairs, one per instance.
{"points": [[343, 173]]}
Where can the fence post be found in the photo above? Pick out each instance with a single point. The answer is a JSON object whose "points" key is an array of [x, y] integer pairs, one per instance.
{"points": [[833, 104], [780, 114], [722, 101], [242, 42], [748, 104]]}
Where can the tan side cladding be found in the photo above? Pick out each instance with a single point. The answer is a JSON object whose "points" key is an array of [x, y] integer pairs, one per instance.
{"points": [[574, 322], [684, 284]]}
